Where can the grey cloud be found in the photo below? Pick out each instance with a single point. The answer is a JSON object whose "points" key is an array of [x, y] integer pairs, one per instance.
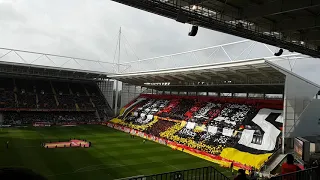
{"points": [[9, 13], [89, 29]]}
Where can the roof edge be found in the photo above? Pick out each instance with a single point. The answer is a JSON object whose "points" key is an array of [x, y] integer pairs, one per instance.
{"points": [[286, 71], [188, 68]]}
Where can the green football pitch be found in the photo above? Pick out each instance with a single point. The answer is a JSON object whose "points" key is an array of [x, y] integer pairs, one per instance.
{"points": [[113, 154]]}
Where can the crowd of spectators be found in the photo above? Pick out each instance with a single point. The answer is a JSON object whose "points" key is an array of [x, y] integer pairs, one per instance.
{"points": [[7, 99], [66, 101], [100, 104], [46, 101], [158, 127], [223, 118], [27, 118], [145, 113], [36, 95], [39, 94], [26, 99], [26, 94], [234, 114], [45, 95], [206, 113], [179, 111]]}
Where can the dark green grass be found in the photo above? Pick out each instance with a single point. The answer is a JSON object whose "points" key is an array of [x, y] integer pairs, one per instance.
{"points": [[113, 155]]}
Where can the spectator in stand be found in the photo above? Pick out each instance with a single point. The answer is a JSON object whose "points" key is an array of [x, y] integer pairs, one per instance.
{"points": [[253, 175], [241, 175], [46, 100], [315, 163], [24, 118], [289, 166], [159, 127]]}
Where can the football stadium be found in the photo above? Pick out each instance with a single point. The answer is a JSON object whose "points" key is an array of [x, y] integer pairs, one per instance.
{"points": [[176, 116], [199, 122]]}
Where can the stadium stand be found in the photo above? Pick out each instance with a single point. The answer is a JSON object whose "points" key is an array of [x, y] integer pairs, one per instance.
{"points": [[242, 131], [25, 92], [158, 127], [7, 97], [100, 104], [27, 101], [25, 118], [45, 95]]}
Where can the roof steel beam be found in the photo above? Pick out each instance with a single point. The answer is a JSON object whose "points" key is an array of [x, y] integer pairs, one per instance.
{"points": [[203, 76], [131, 80], [158, 78], [243, 75], [189, 76], [177, 77], [237, 73], [309, 36], [225, 77], [170, 78], [300, 23], [276, 7], [218, 23], [143, 79], [259, 71]]}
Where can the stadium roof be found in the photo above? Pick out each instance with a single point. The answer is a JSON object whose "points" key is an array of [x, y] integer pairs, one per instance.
{"points": [[289, 24], [27, 70], [258, 76], [21, 63]]}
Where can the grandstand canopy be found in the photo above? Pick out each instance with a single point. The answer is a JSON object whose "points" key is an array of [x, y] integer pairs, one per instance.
{"points": [[40, 71], [22, 63], [289, 24], [255, 76]]}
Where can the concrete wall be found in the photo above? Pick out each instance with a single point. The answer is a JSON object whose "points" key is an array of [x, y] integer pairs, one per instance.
{"points": [[106, 88], [130, 92]]}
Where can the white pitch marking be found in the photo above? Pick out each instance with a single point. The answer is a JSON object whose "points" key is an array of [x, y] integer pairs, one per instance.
{"points": [[130, 177]]}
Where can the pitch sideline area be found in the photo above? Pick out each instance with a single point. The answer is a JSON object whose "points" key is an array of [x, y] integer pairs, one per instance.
{"points": [[114, 155]]}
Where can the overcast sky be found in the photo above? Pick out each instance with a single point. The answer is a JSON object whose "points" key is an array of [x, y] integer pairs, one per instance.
{"points": [[89, 29]]}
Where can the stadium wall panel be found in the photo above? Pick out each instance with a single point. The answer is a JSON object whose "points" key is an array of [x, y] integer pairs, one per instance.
{"points": [[308, 123], [298, 95]]}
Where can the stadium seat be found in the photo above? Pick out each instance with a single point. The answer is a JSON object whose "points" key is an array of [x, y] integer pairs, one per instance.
{"points": [[27, 101]]}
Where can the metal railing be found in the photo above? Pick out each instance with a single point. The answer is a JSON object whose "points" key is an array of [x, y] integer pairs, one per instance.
{"points": [[204, 173], [271, 159], [308, 174]]}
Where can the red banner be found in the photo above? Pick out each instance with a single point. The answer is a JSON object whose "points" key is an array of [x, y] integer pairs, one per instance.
{"points": [[67, 124], [42, 124]]}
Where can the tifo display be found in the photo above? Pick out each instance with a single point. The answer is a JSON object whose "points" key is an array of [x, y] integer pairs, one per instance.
{"points": [[71, 143], [241, 133]]}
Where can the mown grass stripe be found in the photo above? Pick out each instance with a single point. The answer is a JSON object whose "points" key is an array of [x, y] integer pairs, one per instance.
{"points": [[114, 154]]}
